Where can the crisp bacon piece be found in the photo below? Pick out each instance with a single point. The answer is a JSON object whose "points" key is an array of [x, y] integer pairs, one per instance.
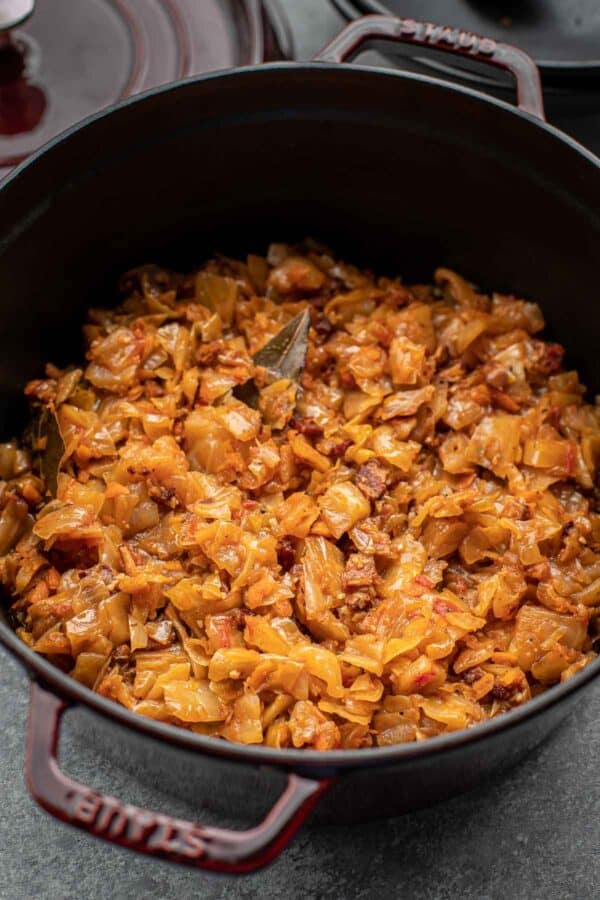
{"points": [[359, 571], [371, 479]]}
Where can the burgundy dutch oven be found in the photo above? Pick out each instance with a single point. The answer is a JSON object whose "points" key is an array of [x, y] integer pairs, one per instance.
{"points": [[399, 171]]}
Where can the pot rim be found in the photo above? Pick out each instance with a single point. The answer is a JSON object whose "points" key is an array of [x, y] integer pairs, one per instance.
{"points": [[323, 762], [315, 761], [282, 66]]}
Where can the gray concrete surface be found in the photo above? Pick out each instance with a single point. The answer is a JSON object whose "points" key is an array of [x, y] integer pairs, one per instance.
{"points": [[533, 834]]}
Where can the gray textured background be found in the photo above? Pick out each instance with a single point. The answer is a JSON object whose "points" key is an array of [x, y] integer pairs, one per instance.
{"points": [[533, 834]]}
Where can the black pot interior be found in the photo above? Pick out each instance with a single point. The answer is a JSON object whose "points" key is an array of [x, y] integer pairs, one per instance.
{"points": [[393, 172]]}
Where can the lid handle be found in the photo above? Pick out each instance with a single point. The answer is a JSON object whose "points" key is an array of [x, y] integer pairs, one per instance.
{"points": [[13, 12], [451, 40]]}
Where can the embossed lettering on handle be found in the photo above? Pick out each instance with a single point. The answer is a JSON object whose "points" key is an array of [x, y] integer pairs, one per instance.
{"points": [[175, 840], [450, 40]]}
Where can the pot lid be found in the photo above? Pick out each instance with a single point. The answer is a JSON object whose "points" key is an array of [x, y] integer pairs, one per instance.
{"points": [[62, 60], [562, 36]]}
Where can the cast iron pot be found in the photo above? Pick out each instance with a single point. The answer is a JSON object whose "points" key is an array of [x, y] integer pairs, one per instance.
{"points": [[395, 170]]}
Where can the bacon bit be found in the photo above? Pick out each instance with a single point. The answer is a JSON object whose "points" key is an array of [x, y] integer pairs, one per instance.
{"points": [[500, 692], [554, 416], [306, 426], [223, 626], [425, 678], [472, 675], [73, 555], [425, 582], [441, 607], [324, 327], [359, 571], [339, 449], [250, 504], [153, 389], [239, 616], [63, 610], [347, 379], [163, 495], [504, 400], [370, 478], [359, 600], [286, 553], [460, 585], [208, 354], [551, 359]]}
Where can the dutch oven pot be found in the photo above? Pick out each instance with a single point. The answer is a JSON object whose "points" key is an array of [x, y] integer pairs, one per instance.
{"points": [[399, 171]]}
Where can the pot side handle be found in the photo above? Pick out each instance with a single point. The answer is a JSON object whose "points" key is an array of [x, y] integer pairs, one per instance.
{"points": [[163, 836], [451, 40]]}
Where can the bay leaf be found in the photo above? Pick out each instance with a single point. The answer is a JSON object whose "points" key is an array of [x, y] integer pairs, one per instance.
{"points": [[48, 446], [283, 356]]}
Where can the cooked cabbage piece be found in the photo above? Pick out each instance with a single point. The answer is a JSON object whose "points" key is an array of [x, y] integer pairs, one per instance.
{"points": [[401, 542]]}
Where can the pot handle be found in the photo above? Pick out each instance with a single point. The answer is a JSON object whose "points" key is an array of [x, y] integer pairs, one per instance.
{"points": [[451, 40], [174, 840]]}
